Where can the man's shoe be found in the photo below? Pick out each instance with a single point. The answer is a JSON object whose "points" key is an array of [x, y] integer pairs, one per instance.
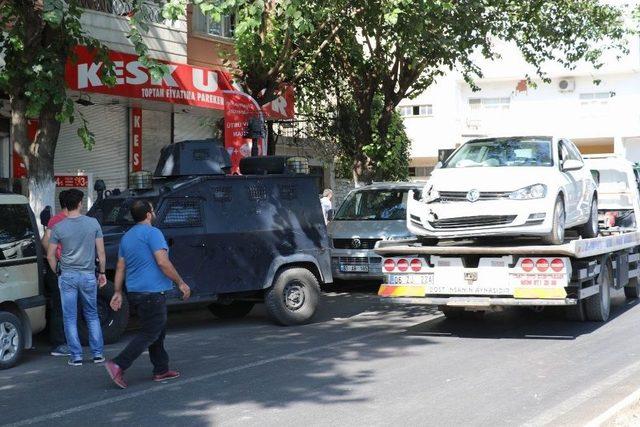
{"points": [[61, 350], [169, 375], [75, 362], [98, 359], [115, 372]]}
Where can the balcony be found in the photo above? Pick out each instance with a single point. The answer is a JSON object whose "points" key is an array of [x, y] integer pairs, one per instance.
{"points": [[150, 11]]}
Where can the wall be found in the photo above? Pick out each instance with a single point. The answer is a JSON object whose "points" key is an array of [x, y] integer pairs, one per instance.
{"points": [[166, 41], [204, 50]]}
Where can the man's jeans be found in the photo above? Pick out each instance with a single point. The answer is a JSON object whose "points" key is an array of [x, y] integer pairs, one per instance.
{"points": [[151, 309], [84, 285]]}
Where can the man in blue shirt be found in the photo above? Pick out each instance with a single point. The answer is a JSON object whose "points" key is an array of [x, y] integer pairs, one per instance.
{"points": [[144, 259]]}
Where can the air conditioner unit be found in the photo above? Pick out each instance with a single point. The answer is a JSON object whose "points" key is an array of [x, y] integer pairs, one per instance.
{"points": [[566, 85]]}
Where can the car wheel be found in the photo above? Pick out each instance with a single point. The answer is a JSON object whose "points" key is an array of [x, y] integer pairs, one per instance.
{"points": [[233, 310], [598, 306], [556, 236], [293, 298], [590, 228], [113, 323], [11, 339]]}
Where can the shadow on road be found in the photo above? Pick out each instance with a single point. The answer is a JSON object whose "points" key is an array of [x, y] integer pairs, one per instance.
{"points": [[519, 323]]}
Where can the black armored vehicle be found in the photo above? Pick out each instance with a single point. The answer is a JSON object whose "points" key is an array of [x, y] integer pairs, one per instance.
{"points": [[236, 240]]}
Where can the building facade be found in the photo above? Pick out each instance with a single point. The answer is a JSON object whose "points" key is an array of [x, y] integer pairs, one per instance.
{"points": [[597, 109]]}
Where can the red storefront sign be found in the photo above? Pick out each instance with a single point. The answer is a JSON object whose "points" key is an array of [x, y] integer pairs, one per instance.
{"points": [[19, 167], [239, 108], [68, 181], [136, 139], [184, 84]]}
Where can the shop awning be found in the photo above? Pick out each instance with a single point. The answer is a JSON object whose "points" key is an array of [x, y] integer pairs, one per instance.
{"points": [[184, 84]]}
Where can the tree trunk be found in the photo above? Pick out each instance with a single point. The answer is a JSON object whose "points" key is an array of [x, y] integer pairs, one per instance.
{"points": [[37, 154]]}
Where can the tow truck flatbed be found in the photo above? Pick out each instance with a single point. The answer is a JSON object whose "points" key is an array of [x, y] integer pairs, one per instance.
{"points": [[576, 248]]}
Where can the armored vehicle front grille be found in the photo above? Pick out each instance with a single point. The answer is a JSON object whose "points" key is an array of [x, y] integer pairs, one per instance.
{"points": [[472, 221]]}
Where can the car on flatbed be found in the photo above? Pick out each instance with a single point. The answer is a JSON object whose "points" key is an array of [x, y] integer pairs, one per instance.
{"points": [[236, 240], [578, 275], [515, 186], [367, 215]]}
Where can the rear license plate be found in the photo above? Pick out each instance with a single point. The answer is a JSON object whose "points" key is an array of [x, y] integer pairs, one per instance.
{"points": [[471, 276], [350, 268], [410, 279]]}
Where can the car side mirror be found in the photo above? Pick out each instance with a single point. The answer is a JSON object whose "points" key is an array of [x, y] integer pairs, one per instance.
{"points": [[45, 216], [331, 214], [572, 165]]}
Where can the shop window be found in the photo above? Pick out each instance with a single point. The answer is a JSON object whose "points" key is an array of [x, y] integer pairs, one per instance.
{"points": [[424, 110], [17, 238], [183, 213], [206, 25]]}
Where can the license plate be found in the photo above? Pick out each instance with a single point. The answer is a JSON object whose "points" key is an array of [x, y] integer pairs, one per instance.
{"points": [[410, 279], [471, 276], [350, 268]]}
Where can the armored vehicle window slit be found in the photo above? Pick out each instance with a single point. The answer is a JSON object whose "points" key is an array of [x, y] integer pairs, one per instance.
{"points": [[183, 213]]}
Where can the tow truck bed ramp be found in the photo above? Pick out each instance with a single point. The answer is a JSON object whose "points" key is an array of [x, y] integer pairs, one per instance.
{"points": [[578, 248]]}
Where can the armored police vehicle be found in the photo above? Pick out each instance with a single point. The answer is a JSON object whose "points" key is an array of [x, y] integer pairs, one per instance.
{"points": [[236, 240]]}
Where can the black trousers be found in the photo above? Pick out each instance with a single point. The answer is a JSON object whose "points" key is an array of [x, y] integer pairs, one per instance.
{"points": [[55, 323], [151, 309]]}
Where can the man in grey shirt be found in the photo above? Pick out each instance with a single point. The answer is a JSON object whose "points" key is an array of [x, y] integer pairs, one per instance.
{"points": [[80, 237]]}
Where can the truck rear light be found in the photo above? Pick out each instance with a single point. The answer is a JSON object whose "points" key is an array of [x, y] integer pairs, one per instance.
{"points": [[403, 265], [542, 265], [389, 264], [557, 265], [416, 264], [527, 264]]}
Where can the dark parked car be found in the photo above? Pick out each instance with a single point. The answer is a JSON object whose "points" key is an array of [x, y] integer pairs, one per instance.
{"points": [[236, 240]]}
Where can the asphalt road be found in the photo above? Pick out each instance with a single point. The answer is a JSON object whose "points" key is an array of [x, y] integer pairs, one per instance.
{"points": [[360, 363]]}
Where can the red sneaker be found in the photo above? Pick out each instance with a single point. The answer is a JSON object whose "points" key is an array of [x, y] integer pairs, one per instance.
{"points": [[115, 372], [169, 375]]}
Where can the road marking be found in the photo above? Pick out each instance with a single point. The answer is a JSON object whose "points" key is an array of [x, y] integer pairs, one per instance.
{"points": [[158, 388], [557, 411], [615, 409]]}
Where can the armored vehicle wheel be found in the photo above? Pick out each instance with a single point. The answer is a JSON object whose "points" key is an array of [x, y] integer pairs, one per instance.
{"points": [[11, 339], [234, 310], [113, 323], [598, 306], [293, 298]]}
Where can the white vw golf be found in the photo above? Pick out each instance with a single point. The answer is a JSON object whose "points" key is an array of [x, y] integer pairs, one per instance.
{"points": [[515, 186]]}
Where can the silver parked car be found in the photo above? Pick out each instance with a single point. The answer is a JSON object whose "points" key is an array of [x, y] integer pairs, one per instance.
{"points": [[367, 215]]}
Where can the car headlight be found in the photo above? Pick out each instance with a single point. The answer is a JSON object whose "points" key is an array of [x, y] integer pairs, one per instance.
{"points": [[536, 191]]}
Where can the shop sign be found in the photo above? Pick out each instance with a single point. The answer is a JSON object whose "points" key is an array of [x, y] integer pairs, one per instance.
{"points": [[71, 181], [136, 139], [183, 84], [239, 109]]}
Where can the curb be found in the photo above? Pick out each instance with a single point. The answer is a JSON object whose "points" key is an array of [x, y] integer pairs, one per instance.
{"points": [[615, 410]]}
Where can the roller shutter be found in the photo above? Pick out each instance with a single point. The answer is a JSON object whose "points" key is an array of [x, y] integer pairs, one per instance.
{"points": [[109, 158], [190, 126], [156, 133]]}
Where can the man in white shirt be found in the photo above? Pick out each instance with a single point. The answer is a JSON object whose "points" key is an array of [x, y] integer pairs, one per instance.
{"points": [[326, 204]]}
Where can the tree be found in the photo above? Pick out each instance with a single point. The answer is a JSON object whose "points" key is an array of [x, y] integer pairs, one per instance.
{"points": [[38, 39], [394, 49]]}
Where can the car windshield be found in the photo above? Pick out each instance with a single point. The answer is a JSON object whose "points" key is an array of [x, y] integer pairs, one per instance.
{"points": [[502, 152], [374, 205]]}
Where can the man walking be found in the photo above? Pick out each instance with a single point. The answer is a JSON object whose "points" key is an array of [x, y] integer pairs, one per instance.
{"points": [[54, 322], [80, 238], [144, 259]]}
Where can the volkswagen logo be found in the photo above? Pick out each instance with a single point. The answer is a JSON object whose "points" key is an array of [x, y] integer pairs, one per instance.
{"points": [[356, 243], [473, 196]]}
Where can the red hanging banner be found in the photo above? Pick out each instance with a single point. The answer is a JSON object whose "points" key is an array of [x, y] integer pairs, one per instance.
{"points": [[136, 139], [238, 109]]}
